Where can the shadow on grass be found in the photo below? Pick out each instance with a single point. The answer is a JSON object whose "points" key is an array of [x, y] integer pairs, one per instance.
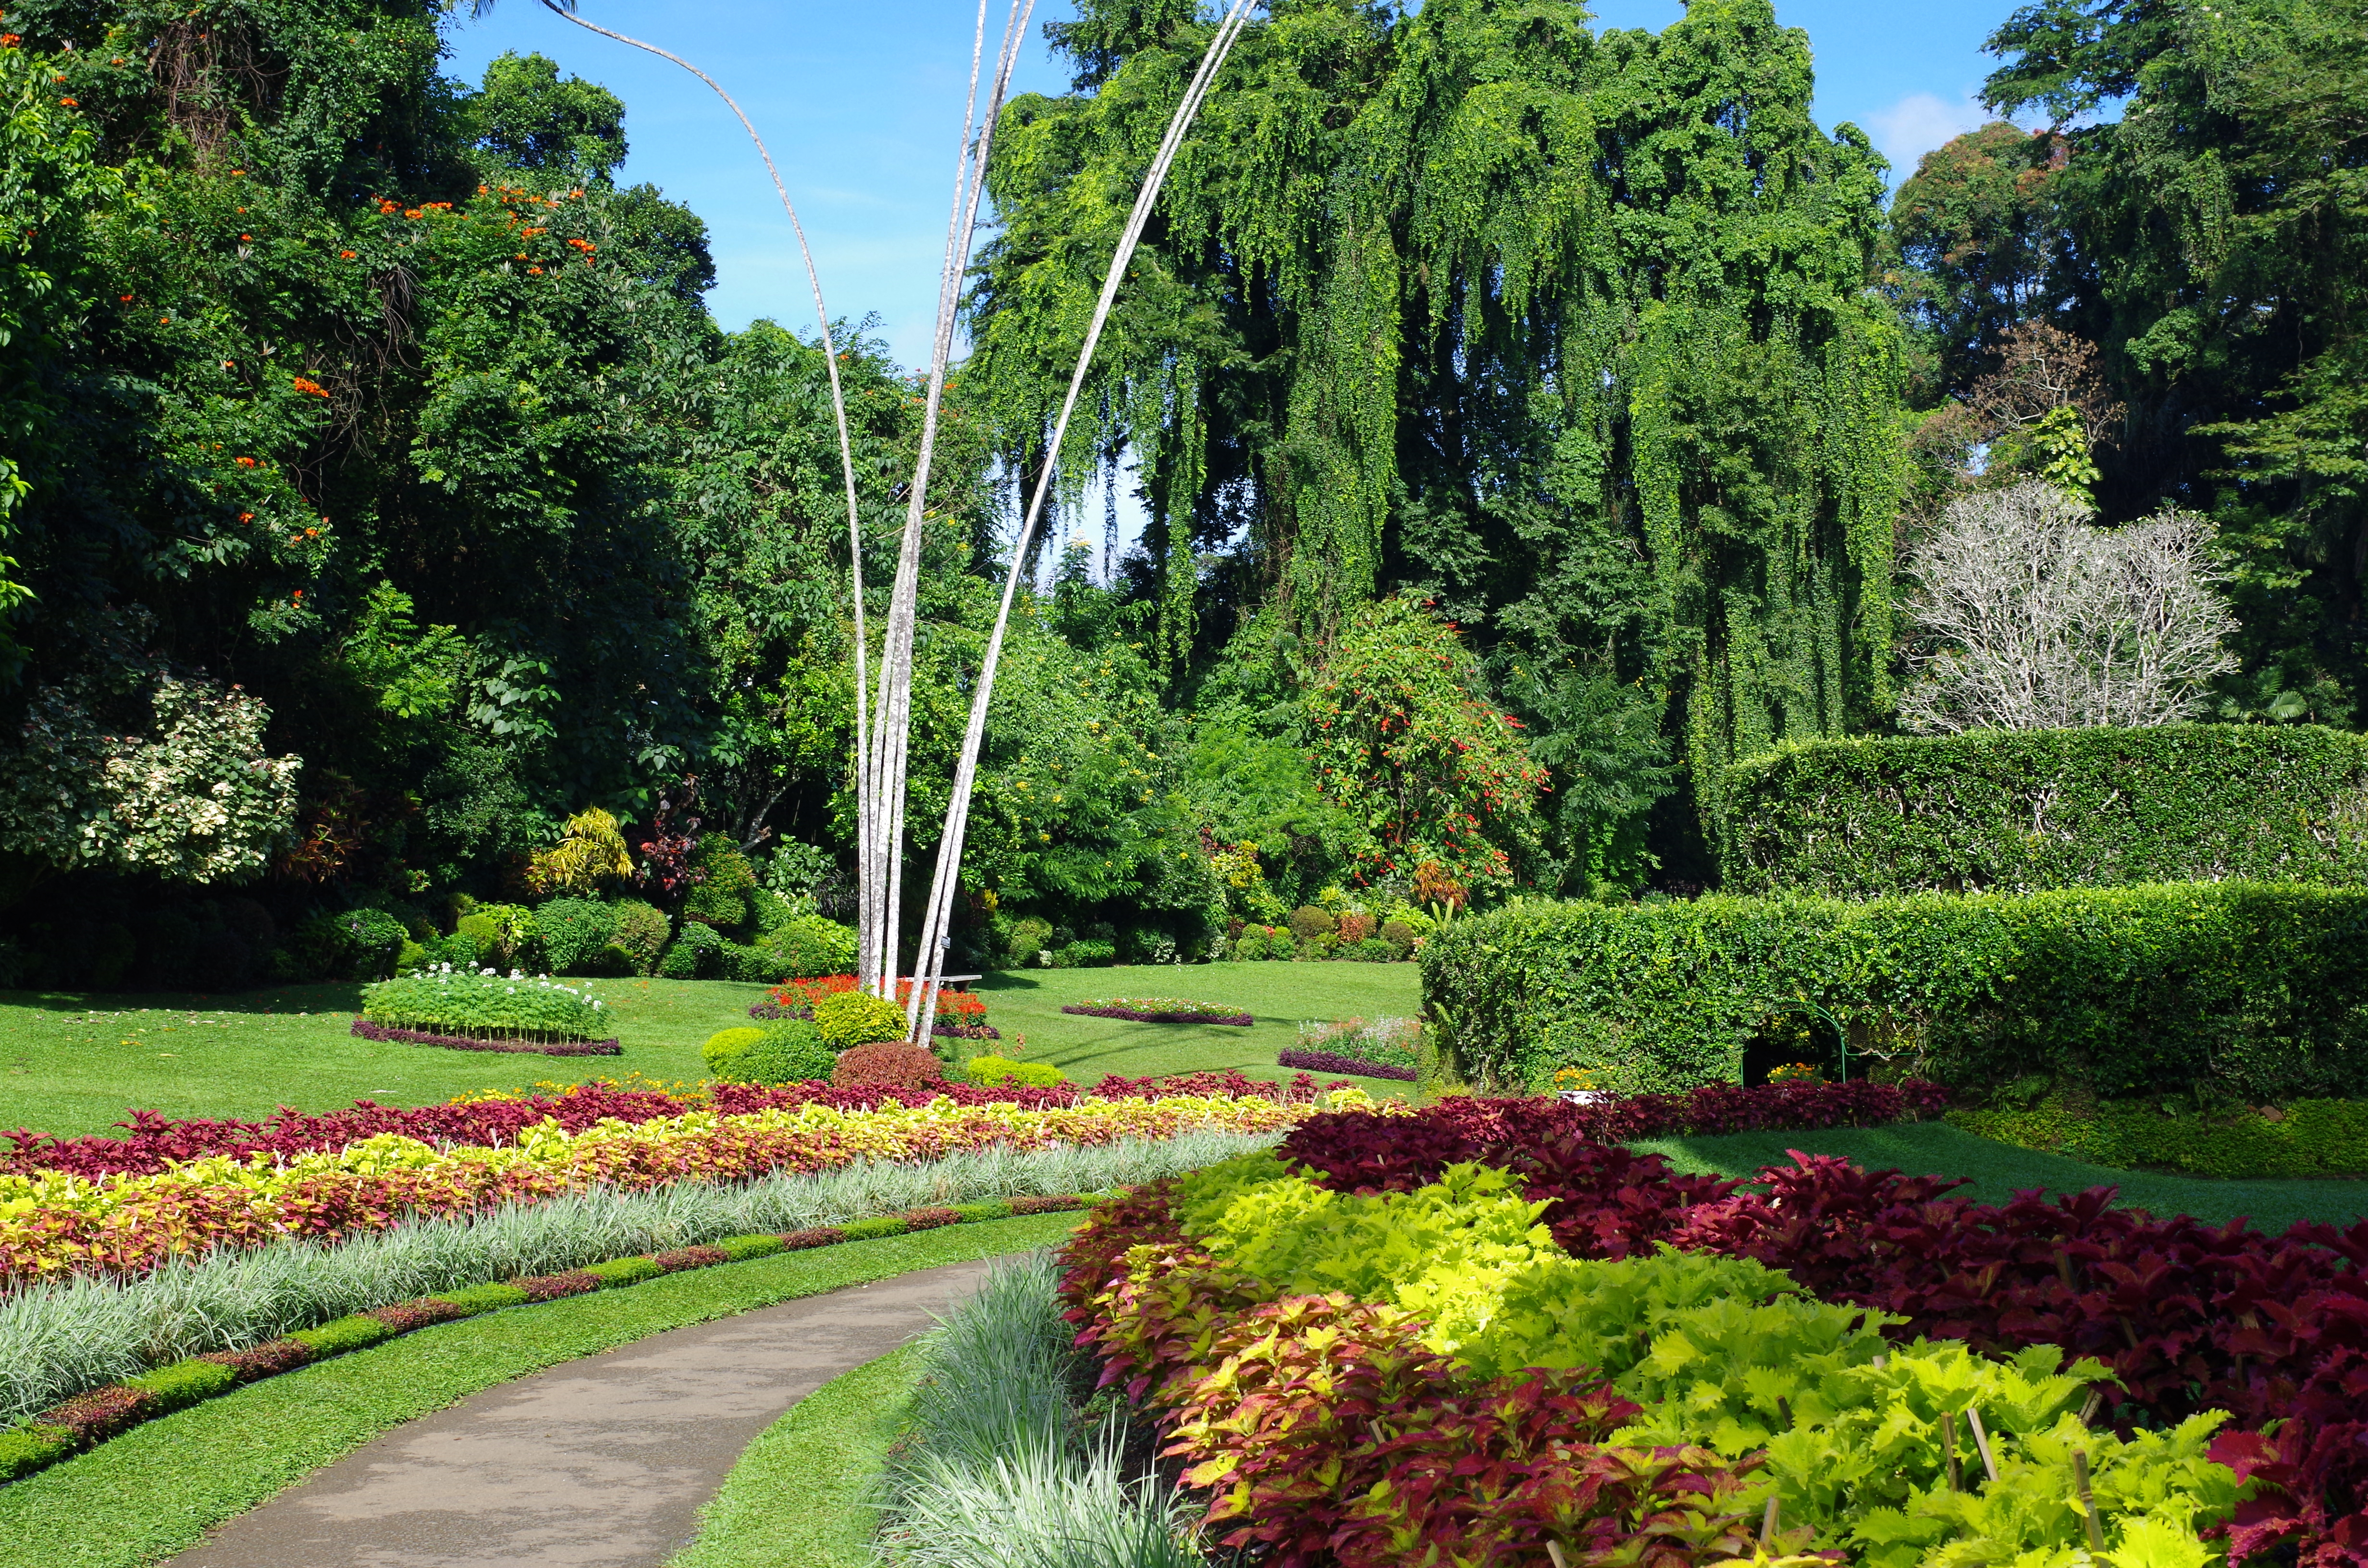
{"points": [[330, 997]]}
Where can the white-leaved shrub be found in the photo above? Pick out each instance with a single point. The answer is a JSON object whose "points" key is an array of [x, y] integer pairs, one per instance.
{"points": [[2029, 617]]}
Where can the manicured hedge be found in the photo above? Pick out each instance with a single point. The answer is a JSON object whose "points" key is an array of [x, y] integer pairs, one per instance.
{"points": [[2049, 809], [2258, 991]]}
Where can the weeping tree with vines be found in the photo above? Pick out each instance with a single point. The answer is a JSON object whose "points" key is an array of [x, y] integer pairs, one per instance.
{"points": [[1571, 332]]}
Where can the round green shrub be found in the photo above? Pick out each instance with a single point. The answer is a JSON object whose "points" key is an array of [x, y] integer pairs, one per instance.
{"points": [[1309, 921], [574, 931], [720, 897], [1250, 946], [855, 1018], [1372, 950], [788, 1051], [696, 951], [725, 1046], [1399, 936], [373, 941], [642, 931], [815, 946]]}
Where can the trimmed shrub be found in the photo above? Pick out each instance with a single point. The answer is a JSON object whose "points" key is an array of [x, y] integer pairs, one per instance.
{"points": [[992, 1070], [485, 1298], [994, 1208], [1370, 950], [29, 1448], [790, 1050], [576, 935], [873, 1230], [932, 1218], [1251, 945], [2241, 990], [618, 1272], [811, 945], [99, 1413], [742, 1248], [696, 951], [339, 1336], [888, 1063], [851, 1018], [819, 1236], [2049, 809], [642, 931], [182, 1384], [726, 1046], [374, 941], [681, 1258], [553, 1287], [503, 936]]}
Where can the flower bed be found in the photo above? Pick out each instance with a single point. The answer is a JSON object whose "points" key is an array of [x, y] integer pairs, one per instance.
{"points": [[1423, 1375], [1326, 1061], [364, 1029], [486, 1005], [2187, 1319], [52, 1223], [93, 1417], [1161, 1010], [960, 1014]]}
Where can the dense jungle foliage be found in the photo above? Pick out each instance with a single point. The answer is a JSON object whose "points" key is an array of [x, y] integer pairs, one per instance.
{"points": [[1531, 419]]}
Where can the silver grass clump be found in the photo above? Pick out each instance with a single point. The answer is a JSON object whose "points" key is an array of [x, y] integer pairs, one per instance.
{"points": [[62, 1337], [998, 1470]]}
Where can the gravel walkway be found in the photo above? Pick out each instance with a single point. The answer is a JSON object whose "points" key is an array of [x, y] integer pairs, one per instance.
{"points": [[597, 1463]]}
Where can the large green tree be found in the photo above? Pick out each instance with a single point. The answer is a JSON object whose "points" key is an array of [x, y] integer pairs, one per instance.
{"points": [[1569, 330]]}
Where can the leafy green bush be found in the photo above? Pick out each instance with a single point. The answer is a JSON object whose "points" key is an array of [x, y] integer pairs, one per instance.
{"points": [[790, 1050], [2049, 809], [1400, 936], [993, 1209], [643, 930], [1309, 921], [477, 1299], [695, 952], [743, 1248], [618, 1272], [851, 1018], [503, 935], [183, 1383], [576, 934], [29, 1448], [2304, 1138], [998, 1070], [484, 1005], [720, 898], [2245, 990], [1023, 939], [339, 1336], [872, 1230], [374, 941], [1086, 952]]}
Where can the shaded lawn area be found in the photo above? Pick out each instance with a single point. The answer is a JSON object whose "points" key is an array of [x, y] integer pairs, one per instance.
{"points": [[1999, 1170], [76, 1062]]}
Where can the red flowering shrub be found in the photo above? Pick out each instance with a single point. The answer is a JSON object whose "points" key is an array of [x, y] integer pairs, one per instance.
{"points": [[888, 1063], [404, 1316], [681, 1259], [101, 1413], [268, 1359], [551, 1287]]}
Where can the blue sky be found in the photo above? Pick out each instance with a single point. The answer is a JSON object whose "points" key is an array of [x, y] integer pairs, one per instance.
{"points": [[862, 104]]}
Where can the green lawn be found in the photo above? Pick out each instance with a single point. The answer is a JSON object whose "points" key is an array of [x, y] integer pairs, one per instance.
{"points": [[72, 1062], [1999, 1170]]}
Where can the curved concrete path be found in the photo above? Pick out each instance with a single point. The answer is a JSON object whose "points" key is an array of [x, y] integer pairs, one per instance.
{"points": [[597, 1463]]}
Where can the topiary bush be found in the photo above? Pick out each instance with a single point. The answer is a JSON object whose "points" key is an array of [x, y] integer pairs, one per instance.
{"points": [[726, 878], [849, 1019], [642, 931], [2031, 810], [373, 941], [576, 934], [1308, 921], [695, 952], [2240, 990], [788, 1051], [1400, 937], [889, 1064]]}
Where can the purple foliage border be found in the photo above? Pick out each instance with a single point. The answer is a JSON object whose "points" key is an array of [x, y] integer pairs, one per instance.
{"points": [[368, 1030], [1327, 1062], [1241, 1020]]}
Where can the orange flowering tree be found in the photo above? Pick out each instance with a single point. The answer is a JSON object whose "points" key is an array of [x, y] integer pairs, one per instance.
{"points": [[1402, 737]]}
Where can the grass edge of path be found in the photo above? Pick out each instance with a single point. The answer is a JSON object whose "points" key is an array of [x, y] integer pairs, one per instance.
{"points": [[799, 1495], [155, 1490]]}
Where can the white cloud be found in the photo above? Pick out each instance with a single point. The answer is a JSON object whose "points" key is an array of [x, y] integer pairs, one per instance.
{"points": [[1920, 123]]}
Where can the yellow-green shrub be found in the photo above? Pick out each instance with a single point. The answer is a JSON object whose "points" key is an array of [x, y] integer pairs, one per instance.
{"points": [[856, 1017], [995, 1069]]}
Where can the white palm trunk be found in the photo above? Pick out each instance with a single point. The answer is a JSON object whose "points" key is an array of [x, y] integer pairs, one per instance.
{"points": [[937, 925]]}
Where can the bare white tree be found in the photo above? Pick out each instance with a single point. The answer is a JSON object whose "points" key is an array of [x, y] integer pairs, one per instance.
{"points": [[2032, 618]]}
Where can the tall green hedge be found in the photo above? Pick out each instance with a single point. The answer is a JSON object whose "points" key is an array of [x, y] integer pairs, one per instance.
{"points": [[2258, 990], [2048, 808]]}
